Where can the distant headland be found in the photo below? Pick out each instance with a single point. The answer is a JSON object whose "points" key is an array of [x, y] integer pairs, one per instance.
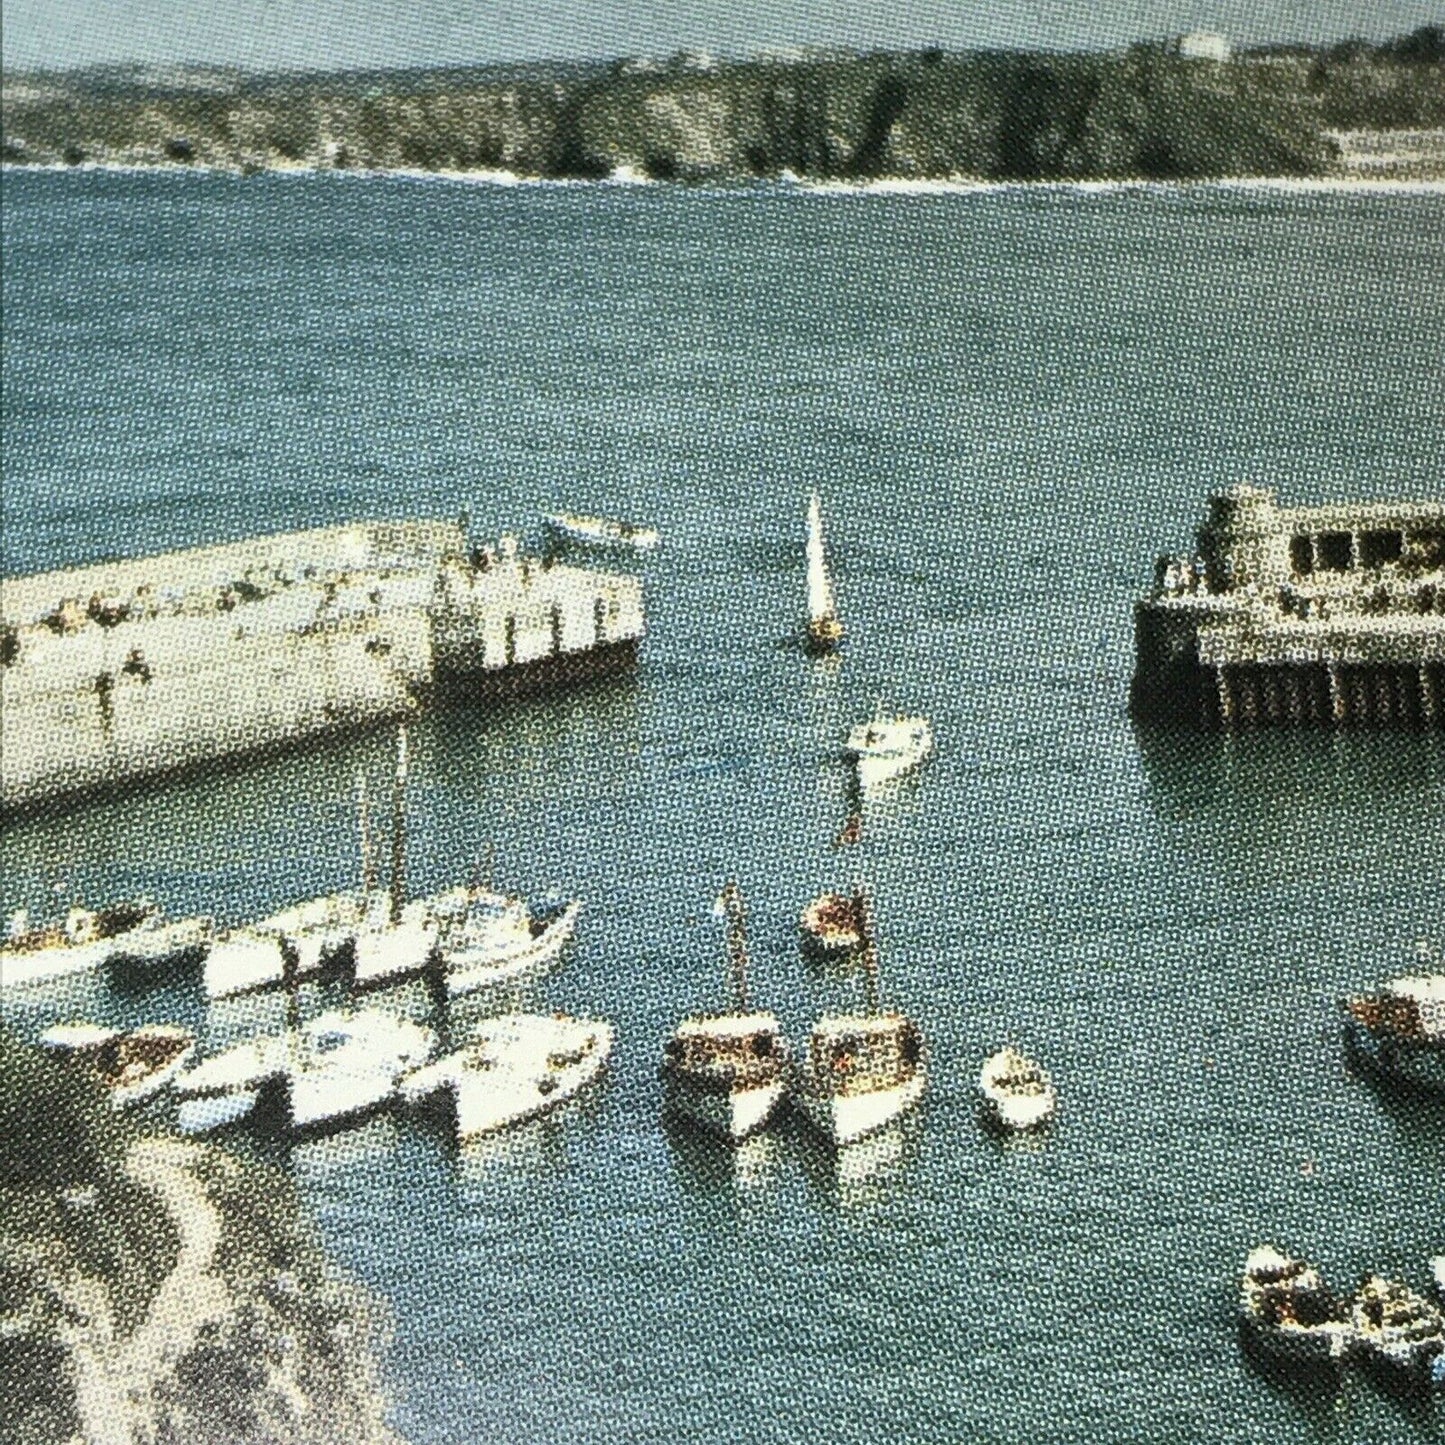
{"points": [[1184, 109]]}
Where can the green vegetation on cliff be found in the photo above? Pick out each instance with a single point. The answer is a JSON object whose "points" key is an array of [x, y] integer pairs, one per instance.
{"points": [[1143, 112], [156, 1289]]}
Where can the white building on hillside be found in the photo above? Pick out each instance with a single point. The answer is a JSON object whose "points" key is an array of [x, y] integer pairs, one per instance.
{"points": [[1203, 45]]}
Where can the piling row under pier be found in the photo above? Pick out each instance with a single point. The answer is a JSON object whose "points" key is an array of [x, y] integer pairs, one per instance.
{"points": [[1307, 617]]}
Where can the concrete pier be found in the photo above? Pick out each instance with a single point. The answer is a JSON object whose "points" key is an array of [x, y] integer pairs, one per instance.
{"points": [[118, 671], [1303, 617]]}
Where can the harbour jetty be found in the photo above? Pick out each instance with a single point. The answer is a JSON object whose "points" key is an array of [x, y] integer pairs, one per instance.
{"points": [[117, 671], [1329, 616]]}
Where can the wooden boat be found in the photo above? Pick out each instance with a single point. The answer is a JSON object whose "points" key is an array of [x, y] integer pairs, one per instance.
{"points": [[863, 1069], [887, 747], [86, 939], [1397, 1328], [340, 1065], [1289, 1315], [600, 531], [829, 926], [728, 1071], [1015, 1093], [1399, 1032], [825, 629], [515, 1067], [132, 1064]]}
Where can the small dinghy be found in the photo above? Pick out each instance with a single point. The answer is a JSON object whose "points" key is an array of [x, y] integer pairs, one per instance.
{"points": [[728, 1071], [501, 940], [829, 926], [1399, 1032], [86, 939], [340, 1065], [1397, 1328], [606, 532], [887, 747], [132, 1064], [825, 629], [516, 1067], [1014, 1092], [161, 940], [863, 1070], [1289, 1314]]}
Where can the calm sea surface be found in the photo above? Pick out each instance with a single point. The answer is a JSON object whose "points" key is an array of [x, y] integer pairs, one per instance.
{"points": [[1009, 401]]}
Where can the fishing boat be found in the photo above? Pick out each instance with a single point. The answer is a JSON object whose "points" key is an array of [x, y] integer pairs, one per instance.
{"points": [[1397, 1328], [887, 747], [862, 1069], [1015, 1092], [502, 940], [600, 531], [829, 926], [1399, 1032], [728, 1071], [340, 1065], [1289, 1314], [86, 939], [131, 1064], [515, 1067], [825, 630]]}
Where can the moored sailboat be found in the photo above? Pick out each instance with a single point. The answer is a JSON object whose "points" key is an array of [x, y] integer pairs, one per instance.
{"points": [[1289, 1315], [825, 629], [863, 1069], [727, 1071]]}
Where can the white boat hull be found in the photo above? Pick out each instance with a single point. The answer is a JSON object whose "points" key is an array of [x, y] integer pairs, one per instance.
{"points": [[1018, 1113], [243, 961], [394, 951], [845, 1118], [736, 1115], [165, 941], [469, 970], [204, 1113], [19, 970], [127, 1096]]}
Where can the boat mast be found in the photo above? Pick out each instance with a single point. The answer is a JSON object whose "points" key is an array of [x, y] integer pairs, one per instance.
{"points": [[737, 945], [822, 607], [398, 827], [863, 909], [368, 856]]}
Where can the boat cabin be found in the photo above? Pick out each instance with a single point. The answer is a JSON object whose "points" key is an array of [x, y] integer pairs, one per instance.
{"points": [[727, 1049], [861, 1053]]}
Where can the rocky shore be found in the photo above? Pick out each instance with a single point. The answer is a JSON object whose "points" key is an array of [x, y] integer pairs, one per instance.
{"points": [[1145, 112], [159, 1290]]}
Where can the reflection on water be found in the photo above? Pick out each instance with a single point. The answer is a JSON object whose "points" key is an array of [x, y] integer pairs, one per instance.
{"points": [[344, 1157], [707, 1165], [866, 1173]]}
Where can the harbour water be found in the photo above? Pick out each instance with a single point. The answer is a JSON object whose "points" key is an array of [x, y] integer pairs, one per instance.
{"points": [[1009, 401]]}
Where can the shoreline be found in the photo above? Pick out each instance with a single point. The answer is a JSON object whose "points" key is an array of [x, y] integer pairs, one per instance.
{"points": [[625, 179]]}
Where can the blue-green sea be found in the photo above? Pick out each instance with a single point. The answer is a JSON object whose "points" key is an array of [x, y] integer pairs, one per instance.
{"points": [[1010, 400]]}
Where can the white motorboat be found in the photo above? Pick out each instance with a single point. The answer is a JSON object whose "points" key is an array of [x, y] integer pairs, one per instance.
{"points": [[600, 531], [1396, 1327], [1289, 1314], [515, 1067], [502, 940], [88, 938], [386, 950], [887, 747], [1015, 1092], [863, 1069], [825, 628], [160, 940], [1400, 1031], [829, 926], [728, 1071], [131, 1064], [339, 1065]]}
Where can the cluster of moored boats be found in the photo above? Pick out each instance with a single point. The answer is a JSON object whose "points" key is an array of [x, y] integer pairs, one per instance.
{"points": [[1292, 1319]]}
